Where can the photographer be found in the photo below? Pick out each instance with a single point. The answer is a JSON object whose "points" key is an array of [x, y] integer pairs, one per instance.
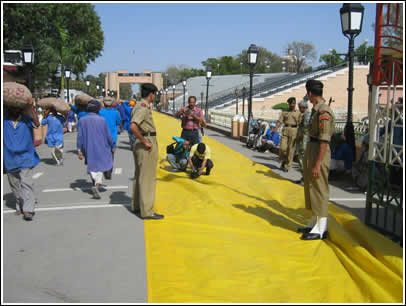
{"points": [[191, 117]]}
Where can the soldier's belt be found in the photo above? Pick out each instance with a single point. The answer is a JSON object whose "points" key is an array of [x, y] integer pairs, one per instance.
{"points": [[149, 134], [313, 139]]}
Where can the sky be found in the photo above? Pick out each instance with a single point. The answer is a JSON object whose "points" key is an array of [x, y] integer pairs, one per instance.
{"points": [[153, 36]]}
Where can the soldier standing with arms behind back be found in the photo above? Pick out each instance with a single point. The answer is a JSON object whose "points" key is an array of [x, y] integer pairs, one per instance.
{"points": [[290, 119], [145, 150], [302, 134], [317, 162]]}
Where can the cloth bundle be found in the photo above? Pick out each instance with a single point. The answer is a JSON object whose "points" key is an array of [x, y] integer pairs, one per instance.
{"points": [[60, 106], [15, 94], [82, 99]]}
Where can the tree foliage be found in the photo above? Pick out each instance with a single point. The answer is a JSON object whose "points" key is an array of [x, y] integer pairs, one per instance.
{"points": [[67, 34], [125, 91], [331, 59]]}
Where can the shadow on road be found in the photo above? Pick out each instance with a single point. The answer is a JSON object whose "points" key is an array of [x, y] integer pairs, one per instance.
{"points": [[48, 161], [83, 185], [10, 200]]}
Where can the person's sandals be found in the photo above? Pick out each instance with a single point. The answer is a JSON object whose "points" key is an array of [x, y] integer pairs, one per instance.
{"points": [[27, 216]]}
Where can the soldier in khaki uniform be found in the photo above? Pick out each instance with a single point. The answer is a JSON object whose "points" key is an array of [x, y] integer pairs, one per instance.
{"points": [[145, 150], [290, 120], [317, 162], [302, 134]]}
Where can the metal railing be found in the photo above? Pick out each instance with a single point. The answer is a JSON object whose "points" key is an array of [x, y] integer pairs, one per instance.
{"points": [[274, 85]]}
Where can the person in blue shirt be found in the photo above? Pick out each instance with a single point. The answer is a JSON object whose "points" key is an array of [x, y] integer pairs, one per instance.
{"points": [[121, 111], [80, 112], [341, 157], [72, 120], [128, 107], [179, 158], [95, 145], [255, 129], [113, 122], [271, 138], [54, 137], [20, 157]]}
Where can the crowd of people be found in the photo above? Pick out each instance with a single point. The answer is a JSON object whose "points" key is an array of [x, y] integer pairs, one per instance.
{"points": [[97, 124]]}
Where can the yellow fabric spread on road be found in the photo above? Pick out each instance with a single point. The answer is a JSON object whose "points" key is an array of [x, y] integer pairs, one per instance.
{"points": [[231, 238]]}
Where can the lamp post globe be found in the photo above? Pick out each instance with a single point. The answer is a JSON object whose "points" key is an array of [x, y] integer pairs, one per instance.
{"points": [[252, 60], [87, 85], [67, 73], [28, 54], [352, 15], [208, 77]]}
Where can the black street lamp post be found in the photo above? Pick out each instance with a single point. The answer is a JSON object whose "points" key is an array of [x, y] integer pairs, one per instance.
{"points": [[206, 109], [236, 102], [201, 100], [28, 58], [97, 89], [184, 92], [166, 99], [244, 93], [173, 98], [67, 77], [351, 24], [252, 60]]}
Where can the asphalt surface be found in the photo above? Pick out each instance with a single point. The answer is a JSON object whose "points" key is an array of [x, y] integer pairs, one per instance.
{"points": [[77, 249]]}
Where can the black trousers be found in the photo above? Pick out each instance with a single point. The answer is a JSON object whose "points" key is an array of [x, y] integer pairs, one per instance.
{"points": [[197, 163], [191, 135]]}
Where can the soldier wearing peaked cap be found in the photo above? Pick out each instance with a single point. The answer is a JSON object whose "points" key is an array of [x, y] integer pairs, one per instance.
{"points": [[145, 150], [317, 162], [290, 120]]}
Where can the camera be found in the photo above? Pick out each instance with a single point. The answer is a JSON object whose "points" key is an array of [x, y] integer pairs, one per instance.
{"points": [[194, 174]]}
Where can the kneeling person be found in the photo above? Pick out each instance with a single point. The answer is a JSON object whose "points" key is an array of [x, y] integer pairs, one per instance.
{"points": [[200, 158], [179, 158]]}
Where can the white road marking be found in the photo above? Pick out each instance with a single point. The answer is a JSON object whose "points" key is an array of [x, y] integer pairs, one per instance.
{"points": [[102, 205], [77, 189], [346, 199], [118, 171], [37, 175]]}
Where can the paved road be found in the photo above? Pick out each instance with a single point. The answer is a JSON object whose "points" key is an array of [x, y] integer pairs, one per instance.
{"points": [[77, 249]]}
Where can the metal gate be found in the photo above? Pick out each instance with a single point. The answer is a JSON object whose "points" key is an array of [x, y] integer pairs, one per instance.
{"points": [[384, 205]]}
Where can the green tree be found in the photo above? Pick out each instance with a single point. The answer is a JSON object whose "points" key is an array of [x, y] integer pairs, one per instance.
{"points": [[125, 91], [67, 34], [364, 54], [331, 59]]}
